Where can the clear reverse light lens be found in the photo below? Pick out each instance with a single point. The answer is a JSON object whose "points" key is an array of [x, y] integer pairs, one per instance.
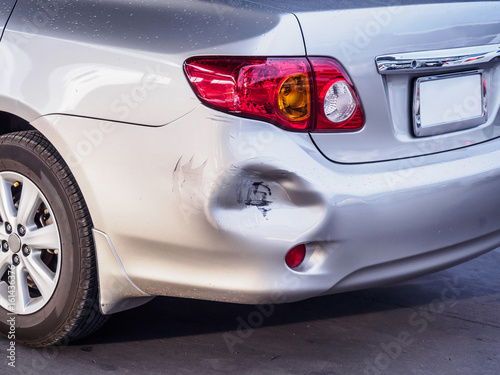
{"points": [[339, 102]]}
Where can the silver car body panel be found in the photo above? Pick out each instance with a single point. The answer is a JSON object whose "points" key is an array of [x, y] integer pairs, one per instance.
{"points": [[387, 99], [358, 36], [123, 63], [172, 185], [6, 7]]}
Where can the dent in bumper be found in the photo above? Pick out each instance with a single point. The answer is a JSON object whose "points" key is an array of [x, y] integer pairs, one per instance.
{"points": [[216, 219]]}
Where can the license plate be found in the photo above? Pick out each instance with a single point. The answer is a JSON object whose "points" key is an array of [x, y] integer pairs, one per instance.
{"points": [[449, 102]]}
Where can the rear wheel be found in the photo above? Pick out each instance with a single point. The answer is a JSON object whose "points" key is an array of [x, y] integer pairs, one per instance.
{"points": [[48, 280]]}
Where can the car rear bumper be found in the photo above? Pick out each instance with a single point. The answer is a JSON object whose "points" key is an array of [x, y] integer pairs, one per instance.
{"points": [[208, 206]]}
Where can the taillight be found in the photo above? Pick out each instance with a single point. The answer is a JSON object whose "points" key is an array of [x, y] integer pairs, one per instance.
{"points": [[297, 94], [338, 106]]}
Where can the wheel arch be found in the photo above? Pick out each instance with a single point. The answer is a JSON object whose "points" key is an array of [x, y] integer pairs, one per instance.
{"points": [[10, 123], [111, 298]]}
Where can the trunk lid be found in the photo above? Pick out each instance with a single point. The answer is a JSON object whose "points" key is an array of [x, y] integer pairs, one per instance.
{"points": [[356, 36]]}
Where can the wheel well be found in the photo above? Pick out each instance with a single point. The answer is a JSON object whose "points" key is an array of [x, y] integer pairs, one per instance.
{"points": [[10, 123]]}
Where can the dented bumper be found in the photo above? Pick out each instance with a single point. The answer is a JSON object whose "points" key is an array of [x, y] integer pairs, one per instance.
{"points": [[223, 200]]}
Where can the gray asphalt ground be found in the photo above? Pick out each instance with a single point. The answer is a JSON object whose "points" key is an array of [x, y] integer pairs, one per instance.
{"points": [[445, 323]]}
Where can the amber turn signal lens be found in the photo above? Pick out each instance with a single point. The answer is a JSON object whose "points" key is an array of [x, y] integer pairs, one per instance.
{"points": [[294, 97]]}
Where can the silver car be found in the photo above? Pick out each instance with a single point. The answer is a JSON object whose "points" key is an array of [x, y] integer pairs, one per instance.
{"points": [[254, 152]]}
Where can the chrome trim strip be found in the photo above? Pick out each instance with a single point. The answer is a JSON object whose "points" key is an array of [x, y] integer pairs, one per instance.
{"points": [[437, 60], [447, 127]]}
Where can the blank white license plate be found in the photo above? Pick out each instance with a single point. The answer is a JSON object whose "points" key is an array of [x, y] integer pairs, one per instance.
{"points": [[448, 103]]}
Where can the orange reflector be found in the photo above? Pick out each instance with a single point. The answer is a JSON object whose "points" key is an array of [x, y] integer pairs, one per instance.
{"points": [[295, 256]]}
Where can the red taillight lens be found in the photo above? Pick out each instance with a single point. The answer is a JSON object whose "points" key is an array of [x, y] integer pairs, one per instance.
{"points": [[295, 256], [274, 89], [293, 93]]}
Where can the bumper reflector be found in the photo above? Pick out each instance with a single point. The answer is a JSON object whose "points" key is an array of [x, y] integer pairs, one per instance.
{"points": [[295, 256]]}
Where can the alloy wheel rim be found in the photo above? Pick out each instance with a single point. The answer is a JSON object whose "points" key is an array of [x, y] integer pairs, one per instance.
{"points": [[30, 252]]}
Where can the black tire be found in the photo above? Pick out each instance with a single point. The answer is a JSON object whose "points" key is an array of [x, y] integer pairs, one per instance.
{"points": [[72, 311]]}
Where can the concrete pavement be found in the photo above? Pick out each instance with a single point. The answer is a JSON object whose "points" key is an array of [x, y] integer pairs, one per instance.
{"points": [[445, 323]]}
